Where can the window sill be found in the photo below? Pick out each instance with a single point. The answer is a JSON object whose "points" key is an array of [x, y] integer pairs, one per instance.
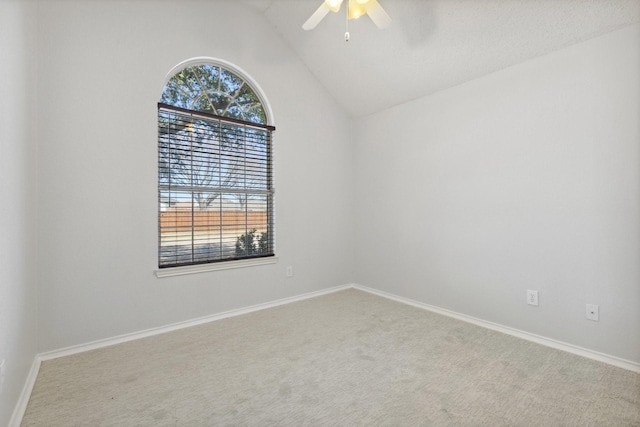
{"points": [[203, 268]]}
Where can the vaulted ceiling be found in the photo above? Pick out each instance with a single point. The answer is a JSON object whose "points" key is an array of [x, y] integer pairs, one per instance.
{"points": [[434, 44]]}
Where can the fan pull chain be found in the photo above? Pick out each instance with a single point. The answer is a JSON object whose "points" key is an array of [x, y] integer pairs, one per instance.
{"points": [[346, 23]]}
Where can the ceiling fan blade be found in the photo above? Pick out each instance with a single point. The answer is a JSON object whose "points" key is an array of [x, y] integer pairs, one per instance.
{"points": [[317, 16], [377, 14]]}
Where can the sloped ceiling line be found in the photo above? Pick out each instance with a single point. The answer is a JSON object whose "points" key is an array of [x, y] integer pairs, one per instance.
{"points": [[434, 44]]}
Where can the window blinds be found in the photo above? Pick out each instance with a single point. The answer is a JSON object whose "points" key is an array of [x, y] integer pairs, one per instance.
{"points": [[215, 188]]}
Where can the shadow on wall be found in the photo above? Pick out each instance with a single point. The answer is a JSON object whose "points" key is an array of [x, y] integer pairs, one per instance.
{"points": [[417, 26]]}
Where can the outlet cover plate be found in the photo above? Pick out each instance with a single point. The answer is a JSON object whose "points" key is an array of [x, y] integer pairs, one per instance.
{"points": [[532, 297], [592, 312]]}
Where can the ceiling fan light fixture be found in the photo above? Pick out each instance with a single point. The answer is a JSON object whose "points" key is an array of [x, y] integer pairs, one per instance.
{"points": [[333, 5], [356, 9]]}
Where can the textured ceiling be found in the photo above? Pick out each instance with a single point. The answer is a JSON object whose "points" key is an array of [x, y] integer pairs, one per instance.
{"points": [[434, 44]]}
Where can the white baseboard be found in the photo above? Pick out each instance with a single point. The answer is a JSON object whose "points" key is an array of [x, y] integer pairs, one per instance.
{"points": [[23, 400], [181, 325], [549, 342]]}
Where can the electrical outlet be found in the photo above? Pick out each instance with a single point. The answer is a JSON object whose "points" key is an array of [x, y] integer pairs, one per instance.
{"points": [[532, 297], [290, 271], [592, 312]]}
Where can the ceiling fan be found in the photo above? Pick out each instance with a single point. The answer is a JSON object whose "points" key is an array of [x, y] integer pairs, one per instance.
{"points": [[355, 9]]}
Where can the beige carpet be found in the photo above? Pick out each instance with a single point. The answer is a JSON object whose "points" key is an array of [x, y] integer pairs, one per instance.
{"points": [[347, 358]]}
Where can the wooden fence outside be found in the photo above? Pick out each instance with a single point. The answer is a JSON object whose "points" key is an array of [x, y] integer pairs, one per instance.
{"points": [[181, 220]]}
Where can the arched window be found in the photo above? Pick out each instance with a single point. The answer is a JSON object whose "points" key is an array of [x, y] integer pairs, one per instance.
{"points": [[214, 89], [215, 186]]}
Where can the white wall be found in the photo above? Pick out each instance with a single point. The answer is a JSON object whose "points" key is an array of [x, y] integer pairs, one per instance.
{"points": [[527, 178], [102, 66], [18, 335]]}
